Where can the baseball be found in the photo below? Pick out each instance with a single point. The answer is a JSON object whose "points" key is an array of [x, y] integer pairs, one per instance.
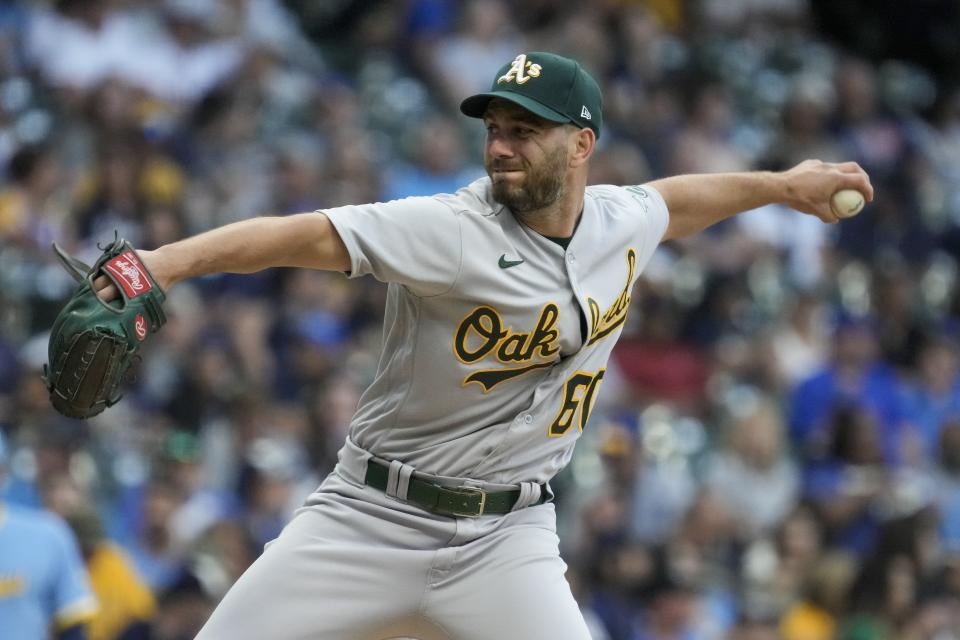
{"points": [[846, 203]]}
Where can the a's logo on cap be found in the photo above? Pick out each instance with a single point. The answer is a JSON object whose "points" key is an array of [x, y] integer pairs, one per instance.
{"points": [[520, 70], [585, 113]]}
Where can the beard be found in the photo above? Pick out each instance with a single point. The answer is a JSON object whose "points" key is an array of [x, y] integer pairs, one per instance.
{"points": [[541, 186]]}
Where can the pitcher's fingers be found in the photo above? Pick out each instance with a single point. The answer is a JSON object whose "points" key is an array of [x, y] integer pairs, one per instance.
{"points": [[101, 282], [860, 182], [827, 216], [852, 176], [108, 293], [849, 167]]}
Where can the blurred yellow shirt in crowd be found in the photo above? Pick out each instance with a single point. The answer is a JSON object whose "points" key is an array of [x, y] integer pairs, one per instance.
{"points": [[124, 597], [12, 212], [805, 621]]}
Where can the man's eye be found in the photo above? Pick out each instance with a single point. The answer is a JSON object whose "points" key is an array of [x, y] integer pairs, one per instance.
{"points": [[524, 132]]}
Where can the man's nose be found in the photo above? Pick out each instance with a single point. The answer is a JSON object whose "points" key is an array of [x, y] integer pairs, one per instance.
{"points": [[498, 147]]}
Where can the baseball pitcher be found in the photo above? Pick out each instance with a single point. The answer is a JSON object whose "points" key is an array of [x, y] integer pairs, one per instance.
{"points": [[505, 301]]}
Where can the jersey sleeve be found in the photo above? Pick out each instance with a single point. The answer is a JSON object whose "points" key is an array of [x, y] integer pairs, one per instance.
{"points": [[72, 601], [415, 242], [652, 213]]}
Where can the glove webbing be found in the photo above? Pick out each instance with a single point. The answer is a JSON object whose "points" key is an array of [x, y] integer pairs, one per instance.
{"points": [[100, 351]]}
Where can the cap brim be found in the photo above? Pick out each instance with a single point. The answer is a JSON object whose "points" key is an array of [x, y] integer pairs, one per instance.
{"points": [[475, 106]]}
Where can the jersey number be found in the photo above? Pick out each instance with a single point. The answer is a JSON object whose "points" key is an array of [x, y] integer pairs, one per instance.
{"points": [[577, 396]]}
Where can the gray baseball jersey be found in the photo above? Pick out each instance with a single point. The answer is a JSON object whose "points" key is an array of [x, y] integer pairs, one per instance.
{"points": [[486, 372]]}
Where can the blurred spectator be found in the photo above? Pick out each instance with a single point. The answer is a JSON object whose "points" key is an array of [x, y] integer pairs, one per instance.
{"points": [[78, 44], [29, 212], [802, 243], [271, 496], [330, 411], [46, 447], [176, 55], [115, 203], [201, 505], [269, 23], [776, 570], [899, 319], [153, 547], [619, 163], [126, 604], [856, 377], [485, 40], [754, 630], [947, 483], [182, 609], [869, 136], [620, 575], [752, 476], [211, 381], [850, 481], [825, 594], [896, 575], [658, 363], [580, 35], [351, 174], [438, 163], [43, 585], [799, 346], [34, 211], [940, 141], [664, 488], [933, 399], [669, 604], [220, 557], [806, 119], [297, 176], [705, 146]]}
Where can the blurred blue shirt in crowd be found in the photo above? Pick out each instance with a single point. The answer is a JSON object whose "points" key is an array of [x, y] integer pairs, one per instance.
{"points": [[43, 581]]}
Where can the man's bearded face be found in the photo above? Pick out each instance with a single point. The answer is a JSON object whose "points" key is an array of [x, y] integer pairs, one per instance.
{"points": [[540, 184]]}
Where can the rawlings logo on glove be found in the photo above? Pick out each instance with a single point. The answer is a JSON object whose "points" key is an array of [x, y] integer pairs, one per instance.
{"points": [[93, 343], [129, 273]]}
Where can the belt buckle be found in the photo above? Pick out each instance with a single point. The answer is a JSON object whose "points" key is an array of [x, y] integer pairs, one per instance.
{"points": [[469, 491]]}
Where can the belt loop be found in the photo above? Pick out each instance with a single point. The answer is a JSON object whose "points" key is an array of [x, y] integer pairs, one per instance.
{"points": [[403, 481], [529, 494], [392, 478]]}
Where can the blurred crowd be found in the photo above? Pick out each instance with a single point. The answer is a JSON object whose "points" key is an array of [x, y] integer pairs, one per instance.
{"points": [[776, 451]]}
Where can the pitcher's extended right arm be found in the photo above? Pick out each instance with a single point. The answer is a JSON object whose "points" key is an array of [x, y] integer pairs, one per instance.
{"points": [[301, 240]]}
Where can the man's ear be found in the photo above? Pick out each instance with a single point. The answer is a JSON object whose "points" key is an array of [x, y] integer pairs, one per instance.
{"points": [[582, 143]]}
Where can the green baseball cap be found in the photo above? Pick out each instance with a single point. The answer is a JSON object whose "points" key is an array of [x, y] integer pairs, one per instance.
{"points": [[551, 86]]}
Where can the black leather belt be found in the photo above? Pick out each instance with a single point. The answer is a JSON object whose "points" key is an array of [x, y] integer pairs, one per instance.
{"points": [[467, 502]]}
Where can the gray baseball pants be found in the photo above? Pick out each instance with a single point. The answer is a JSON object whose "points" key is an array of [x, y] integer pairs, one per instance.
{"points": [[354, 564]]}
